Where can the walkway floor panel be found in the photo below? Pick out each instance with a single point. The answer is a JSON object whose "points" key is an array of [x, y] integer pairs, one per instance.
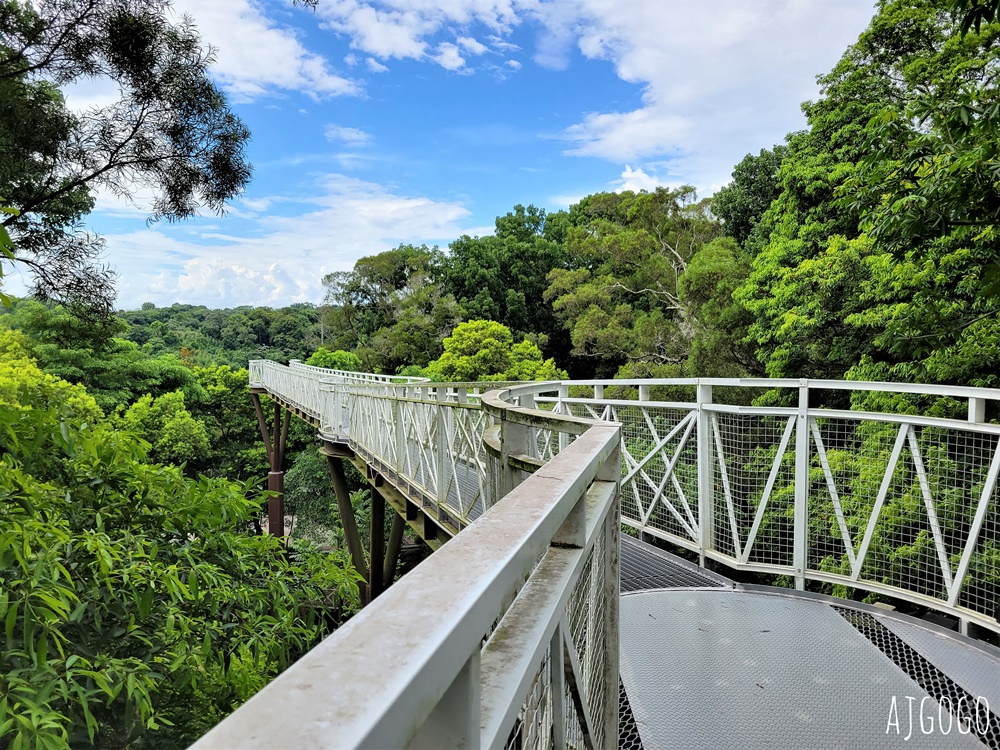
{"points": [[644, 566], [974, 669], [731, 669]]}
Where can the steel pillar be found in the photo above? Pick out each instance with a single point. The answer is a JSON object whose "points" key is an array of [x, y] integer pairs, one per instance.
{"points": [[392, 551], [377, 540], [349, 523], [274, 445]]}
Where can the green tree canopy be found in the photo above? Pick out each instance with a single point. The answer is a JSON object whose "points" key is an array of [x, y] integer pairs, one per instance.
{"points": [[170, 131], [620, 299], [137, 613], [335, 360], [485, 350]]}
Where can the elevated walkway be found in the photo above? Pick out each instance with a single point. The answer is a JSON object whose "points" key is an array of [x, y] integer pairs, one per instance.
{"points": [[708, 663], [539, 625]]}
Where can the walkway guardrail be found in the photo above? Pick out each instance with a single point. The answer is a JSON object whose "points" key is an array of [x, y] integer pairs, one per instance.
{"points": [[890, 488], [885, 487], [507, 636]]}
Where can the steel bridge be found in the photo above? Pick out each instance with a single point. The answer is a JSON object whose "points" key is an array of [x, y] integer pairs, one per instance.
{"points": [[537, 623]]}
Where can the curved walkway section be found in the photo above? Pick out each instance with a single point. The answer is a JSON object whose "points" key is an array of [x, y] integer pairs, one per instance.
{"points": [[507, 636]]}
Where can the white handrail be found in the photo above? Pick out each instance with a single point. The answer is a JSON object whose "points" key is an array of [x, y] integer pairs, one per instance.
{"points": [[746, 484], [898, 504]]}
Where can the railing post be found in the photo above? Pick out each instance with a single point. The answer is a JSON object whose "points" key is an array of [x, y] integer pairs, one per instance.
{"points": [[977, 409], [800, 534], [610, 471], [400, 432], [443, 447], [977, 414], [706, 475], [454, 722], [513, 440], [563, 408], [557, 688]]}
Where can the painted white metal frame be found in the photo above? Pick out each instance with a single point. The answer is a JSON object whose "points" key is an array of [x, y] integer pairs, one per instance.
{"points": [[426, 678]]}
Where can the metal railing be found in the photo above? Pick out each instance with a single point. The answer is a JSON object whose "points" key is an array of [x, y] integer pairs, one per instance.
{"points": [[507, 636], [885, 487], [890, 488], [508, 633]]}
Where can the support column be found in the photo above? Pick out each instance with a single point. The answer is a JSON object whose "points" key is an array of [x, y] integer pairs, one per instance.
{"points": [[274, 445], [347, 519], [377, 551], [392, 552]]}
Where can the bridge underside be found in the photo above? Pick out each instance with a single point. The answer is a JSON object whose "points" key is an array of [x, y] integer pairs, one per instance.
{"points": [[708, 664]]}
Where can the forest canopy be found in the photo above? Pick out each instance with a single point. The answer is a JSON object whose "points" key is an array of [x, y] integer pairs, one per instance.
{"points": [[864, 246]]}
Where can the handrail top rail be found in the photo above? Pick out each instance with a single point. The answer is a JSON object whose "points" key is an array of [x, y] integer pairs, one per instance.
{"points": [[960, 391], [332, 376], [469, 579], [493, 402]]}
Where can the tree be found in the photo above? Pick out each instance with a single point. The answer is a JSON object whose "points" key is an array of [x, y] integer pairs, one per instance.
{"points": [[503, 277], [115, 371], [171, 131], [228, 415], [175, 437], [881, 256], [136, 615], [391, 309], [620, 298], [485, 350], [755, 185], [362, 300], [336, 360]]}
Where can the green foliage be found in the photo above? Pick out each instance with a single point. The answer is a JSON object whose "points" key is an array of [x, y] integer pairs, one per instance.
{"points": [[485, 350], [135, 614], [174, 435], [503, 277], [6, 249], [880, 252], [203, 337], [114, 371], [226, 412], [391, 309], [336, 360], [170, 131], [755, 185], [620, 300]]}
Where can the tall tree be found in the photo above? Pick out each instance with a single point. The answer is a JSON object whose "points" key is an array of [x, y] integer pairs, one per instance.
{"points": [[755, 185], [170, 131], [620, 300], [881, 252], [502, 277]]}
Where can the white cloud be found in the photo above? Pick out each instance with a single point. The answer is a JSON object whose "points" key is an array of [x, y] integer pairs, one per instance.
{"points": [[448, 57], [351, 59], [350, 136], [470, 45], [282, 259], [636, 180], [91, 93], [708, 98], [375, 66], [411, 29], [255, 204], [240, 32], [513, 64]]}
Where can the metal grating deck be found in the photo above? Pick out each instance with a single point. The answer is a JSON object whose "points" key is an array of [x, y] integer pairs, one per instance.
{"points": [[644, 566], [711, 668]]}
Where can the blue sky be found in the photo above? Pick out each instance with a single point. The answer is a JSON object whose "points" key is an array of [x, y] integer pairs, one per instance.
{"points": [[376, 123]]}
